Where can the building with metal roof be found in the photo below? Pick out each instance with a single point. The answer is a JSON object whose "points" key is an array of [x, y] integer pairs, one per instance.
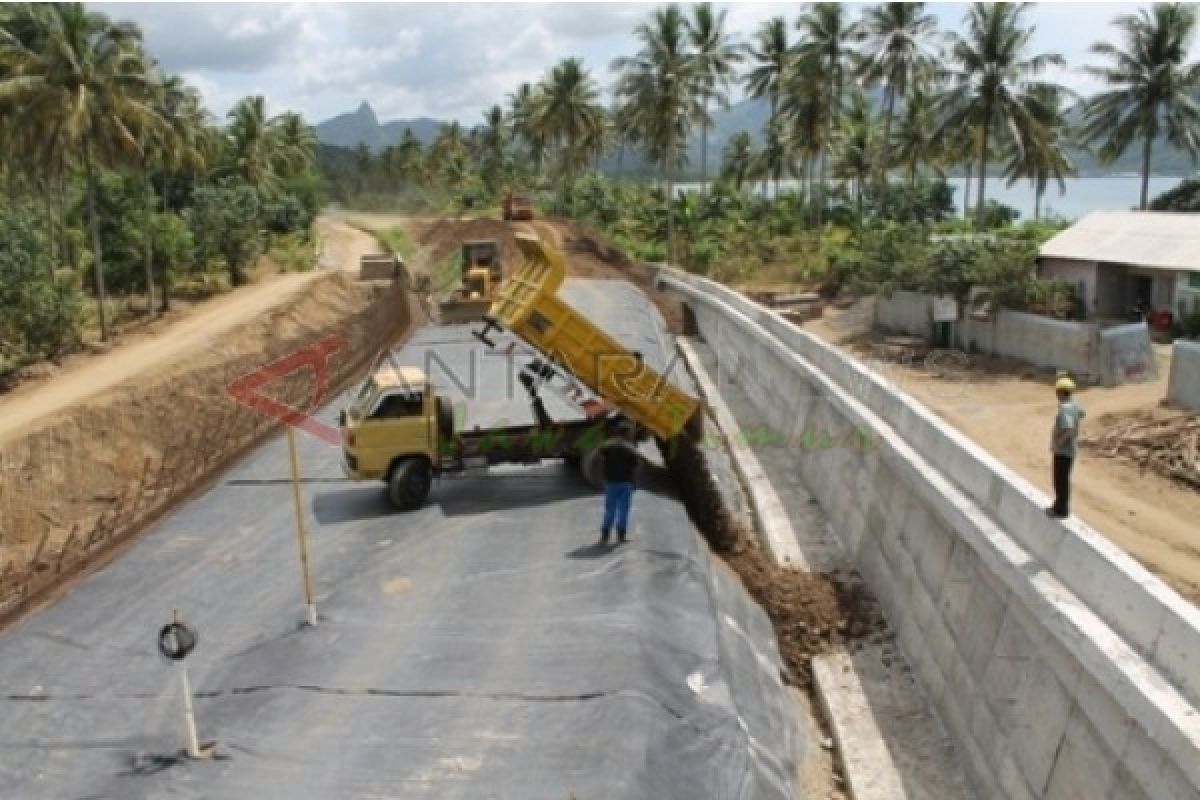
{"points": [[1124, 261]]}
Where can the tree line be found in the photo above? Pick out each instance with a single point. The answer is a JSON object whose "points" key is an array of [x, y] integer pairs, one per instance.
{"points": [[114, 177], [857, 101]]}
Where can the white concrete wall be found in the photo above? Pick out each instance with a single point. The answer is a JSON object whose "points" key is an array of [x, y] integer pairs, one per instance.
{"points": [[1037, 340], [1183, 385], [1061, 667], [905, 312], [1111, 357]]}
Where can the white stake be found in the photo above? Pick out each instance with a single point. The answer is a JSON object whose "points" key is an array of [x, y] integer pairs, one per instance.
{"points": [[301, 528], [189, 715]]}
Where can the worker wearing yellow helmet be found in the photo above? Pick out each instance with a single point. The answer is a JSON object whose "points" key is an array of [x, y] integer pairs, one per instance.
{"points": [[1063, 444]]}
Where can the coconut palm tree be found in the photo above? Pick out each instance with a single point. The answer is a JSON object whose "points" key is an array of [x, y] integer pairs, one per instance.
{"points": [[664, 86], [738, 160], [493, 142], [1046, 155], [853, 147], [992, 80], [717, 57], [804, 106], [915, 141], [827, 46], [76, 83], [772, 56], [898, 51], [251, 147], [522, 106], [567, 114], [1153, 90], [294, 143]]}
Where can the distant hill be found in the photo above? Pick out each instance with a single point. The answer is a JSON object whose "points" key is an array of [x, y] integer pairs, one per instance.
{"points": [[363, 127]]}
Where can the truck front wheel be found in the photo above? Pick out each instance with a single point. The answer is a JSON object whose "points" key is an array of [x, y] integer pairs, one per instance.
{"points": [[409, 482]]}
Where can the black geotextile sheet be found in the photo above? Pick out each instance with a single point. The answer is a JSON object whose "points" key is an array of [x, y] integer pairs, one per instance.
{"points": [[481, 647]]}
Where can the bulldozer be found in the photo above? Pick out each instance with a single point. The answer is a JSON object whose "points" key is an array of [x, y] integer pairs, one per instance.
{"points": [[481, 275]]}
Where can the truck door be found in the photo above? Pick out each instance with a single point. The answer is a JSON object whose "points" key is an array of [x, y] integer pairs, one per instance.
{"points": [[398, 426]]}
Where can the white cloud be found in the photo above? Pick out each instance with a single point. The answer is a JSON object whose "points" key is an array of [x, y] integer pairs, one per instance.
{"points": [[454, 60]]}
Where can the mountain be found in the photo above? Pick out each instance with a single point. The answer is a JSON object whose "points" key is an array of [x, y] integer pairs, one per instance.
{"points": [[363, 127]]}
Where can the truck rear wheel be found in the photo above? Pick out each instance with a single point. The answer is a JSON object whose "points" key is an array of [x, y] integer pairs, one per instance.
{"points": [[409, 482]]}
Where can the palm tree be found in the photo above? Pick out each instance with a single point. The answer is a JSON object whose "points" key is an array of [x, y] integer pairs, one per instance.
{"points": [[915, 141], [1154, 91], [409, 152], [493, 141], [804, 106], [717, 57], [664, 87], [567, 114], [738, 160], [77, 83], [898, 51], [294, 143], [827, 42], [778, 154], [772, 55], [992, 81], [853, 147], [1047, 154], [251, 152], [522, 105]]}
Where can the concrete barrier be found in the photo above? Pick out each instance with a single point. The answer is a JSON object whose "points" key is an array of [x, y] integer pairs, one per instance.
{"points": [[1183, 385], [905, 312], [1061, 667], [1110, 356]]}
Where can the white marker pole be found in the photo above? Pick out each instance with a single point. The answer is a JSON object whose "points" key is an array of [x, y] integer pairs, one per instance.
{"points": [[189, 714], [301, 528]]}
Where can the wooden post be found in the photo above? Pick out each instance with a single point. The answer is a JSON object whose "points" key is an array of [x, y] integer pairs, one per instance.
{"points": [[301, 527]]}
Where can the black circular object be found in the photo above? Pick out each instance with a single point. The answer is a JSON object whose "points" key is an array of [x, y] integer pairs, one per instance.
{"points": [[176, 641]]}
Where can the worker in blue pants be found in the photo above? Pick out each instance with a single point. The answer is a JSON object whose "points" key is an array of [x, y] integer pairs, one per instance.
{"points": [[619, 461]]}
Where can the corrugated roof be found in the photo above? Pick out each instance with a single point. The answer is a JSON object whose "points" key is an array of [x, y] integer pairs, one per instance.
{"points": [[1143, 238]]}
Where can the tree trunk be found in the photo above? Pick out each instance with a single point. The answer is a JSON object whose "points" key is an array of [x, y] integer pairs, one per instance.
{"points": [[704, 152], [164, 279], [1037, 204], [1146, 172], [833, 98], [670, 203], [980, 211], [970, 165], [148, 233], [766, 178], [889, 110], [97, 255]]}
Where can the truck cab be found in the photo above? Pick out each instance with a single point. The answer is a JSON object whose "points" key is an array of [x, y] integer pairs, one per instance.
{"points": [[392, 431]]}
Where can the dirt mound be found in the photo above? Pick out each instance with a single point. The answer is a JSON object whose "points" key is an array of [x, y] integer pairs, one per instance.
{"points": [[82, 479]]}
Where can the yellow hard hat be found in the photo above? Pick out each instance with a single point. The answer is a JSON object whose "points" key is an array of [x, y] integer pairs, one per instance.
{"points": [[1064, 384]]}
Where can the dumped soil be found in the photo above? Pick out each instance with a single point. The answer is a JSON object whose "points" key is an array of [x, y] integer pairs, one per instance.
{"points": [[813, 613]]}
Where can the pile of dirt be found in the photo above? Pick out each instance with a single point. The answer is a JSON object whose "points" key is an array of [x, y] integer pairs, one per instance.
{"points": [[1167, 443], [79, 481], [813, 613]]}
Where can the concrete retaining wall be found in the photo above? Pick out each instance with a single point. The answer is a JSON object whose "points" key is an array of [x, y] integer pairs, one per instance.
{"points": [[1109, 356], [1061, 667], [1183, 385], [905, 312]]}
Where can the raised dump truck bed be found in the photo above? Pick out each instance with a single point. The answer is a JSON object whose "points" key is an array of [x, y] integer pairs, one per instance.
{"points": [[528, 305]]}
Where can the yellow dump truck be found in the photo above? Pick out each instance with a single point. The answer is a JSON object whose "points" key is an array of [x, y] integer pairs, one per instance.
{"points": [[400, 428]]}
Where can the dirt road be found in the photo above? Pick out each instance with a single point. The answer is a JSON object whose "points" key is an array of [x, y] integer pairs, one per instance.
{"points": [[1010, 415], [171, 340]]}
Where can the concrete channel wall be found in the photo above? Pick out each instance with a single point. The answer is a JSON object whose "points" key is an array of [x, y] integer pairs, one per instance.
{"points": [[1110, 356], [1060, 666], [1183, 386]]}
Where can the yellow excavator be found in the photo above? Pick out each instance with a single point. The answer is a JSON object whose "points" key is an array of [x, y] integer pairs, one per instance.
{"points": [[482, 272], [401, 430]]}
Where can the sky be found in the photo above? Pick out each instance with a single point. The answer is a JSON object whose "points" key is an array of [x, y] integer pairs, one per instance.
{"points": [[452, 60]]}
